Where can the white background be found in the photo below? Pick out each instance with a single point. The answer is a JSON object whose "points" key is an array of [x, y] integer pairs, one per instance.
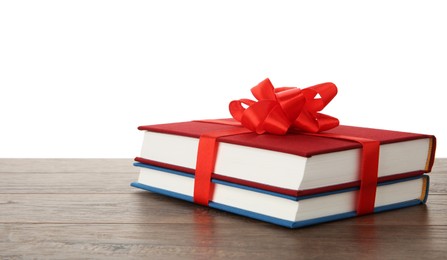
{"points": [[78, 77]]}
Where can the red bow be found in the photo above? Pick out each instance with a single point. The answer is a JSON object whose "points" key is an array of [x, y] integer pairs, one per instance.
{"points": [[279, 109]]}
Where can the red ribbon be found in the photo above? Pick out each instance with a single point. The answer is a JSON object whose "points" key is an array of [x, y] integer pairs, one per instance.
{"points": [[206, 160], [278, 111], [369, 168]]}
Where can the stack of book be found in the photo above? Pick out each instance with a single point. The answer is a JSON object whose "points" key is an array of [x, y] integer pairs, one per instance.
{"points": [[293, 180]]}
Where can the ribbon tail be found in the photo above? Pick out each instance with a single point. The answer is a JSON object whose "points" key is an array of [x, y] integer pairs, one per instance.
{"points": [[326, 122]]}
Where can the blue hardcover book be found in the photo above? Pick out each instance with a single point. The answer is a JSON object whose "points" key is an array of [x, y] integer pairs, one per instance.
{"points": [[285, 210]]}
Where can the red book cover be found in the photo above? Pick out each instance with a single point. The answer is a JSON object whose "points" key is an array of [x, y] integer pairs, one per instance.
{"points": [[292, 143]]}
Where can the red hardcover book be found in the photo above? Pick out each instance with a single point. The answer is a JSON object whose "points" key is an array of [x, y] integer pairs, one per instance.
{"points": [[293, 164]]}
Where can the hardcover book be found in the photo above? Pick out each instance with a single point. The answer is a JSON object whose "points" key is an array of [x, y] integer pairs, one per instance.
{"points": [[285, 210], [295, 164]]}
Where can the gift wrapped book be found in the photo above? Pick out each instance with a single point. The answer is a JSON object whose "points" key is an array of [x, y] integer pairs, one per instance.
{"points": [[281, 161]]}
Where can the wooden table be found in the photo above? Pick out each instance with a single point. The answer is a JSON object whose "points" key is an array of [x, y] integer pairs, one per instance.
{"points": [[85, 209]]}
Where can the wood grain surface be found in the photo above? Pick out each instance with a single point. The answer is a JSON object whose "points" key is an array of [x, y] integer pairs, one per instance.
{"points": [[85, 209]]}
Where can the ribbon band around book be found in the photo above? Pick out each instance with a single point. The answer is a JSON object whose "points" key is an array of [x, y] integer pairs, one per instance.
{"points": [[279, 111]]}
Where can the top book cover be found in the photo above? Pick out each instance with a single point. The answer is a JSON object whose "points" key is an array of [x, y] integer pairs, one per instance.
{"points": [[295, 164]]}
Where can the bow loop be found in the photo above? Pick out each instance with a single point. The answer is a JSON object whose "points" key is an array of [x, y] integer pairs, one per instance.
{"points": [[264, 90], [278, 110]]}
